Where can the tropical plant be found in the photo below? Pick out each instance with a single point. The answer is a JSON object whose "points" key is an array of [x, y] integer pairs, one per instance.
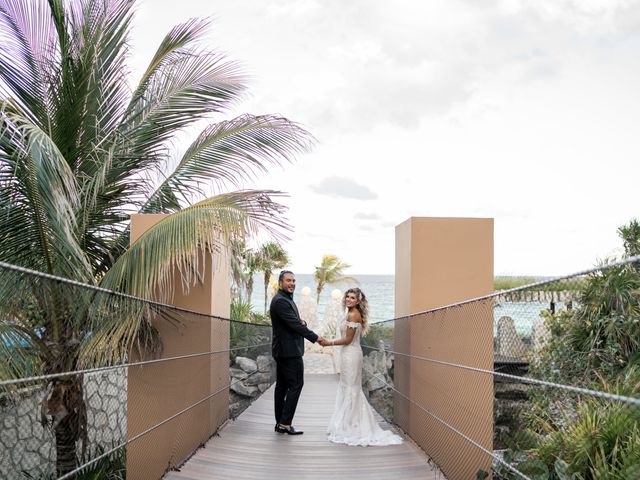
{"points": [[247, 330], [237, 260], [594, 345], [602, 336], [80, 152], [598, 439], [272, 256], [330, 272]]}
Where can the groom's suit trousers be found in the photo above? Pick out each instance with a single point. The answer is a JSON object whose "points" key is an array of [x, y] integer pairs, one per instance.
{"points": [[289, 382]]}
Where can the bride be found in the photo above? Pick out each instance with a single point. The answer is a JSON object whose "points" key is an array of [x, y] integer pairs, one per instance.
{"points": [[353, 422]]}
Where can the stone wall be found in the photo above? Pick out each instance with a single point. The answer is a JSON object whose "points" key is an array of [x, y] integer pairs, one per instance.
{"points": [[377, 381], [249, 379], [26, 446]]}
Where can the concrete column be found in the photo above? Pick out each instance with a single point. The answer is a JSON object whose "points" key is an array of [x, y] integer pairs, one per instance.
{"points": [[157, 392], [441, 261]]}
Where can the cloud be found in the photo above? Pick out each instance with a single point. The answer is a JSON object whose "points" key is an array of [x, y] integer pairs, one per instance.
{"points": [[344, 188], [366, 216]]}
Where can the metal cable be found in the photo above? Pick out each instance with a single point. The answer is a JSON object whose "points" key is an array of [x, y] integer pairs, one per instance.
{"points": [[535, 381], [618, 263], [95, 288], [91, 371], [455, 430], [150, 429]]}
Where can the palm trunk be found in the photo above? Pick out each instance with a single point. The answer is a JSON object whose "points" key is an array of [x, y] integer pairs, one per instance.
{"points": [[266, 285], [67, 407]]}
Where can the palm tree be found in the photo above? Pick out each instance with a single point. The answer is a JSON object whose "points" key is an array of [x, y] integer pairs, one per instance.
{"points": [[80, 152], [272, 257], [252, 265], [238, 259], [330, 272]]}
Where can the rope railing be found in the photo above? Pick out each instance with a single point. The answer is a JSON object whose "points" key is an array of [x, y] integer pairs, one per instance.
{"points": [[453, 429], [97, 289], [505, 293], [526, 343], [94, 371], [95, 460], [548, 384], [119, 403], [532, 381]]}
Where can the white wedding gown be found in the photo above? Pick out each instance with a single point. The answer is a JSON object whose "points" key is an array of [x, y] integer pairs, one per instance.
{"points": [[353, 422]]}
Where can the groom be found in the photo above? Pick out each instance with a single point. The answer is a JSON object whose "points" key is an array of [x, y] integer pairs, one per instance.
{"points": [[289, 332]]}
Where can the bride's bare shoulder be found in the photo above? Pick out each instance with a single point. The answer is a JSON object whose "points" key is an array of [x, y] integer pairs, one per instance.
{"points": [[354, 316]]}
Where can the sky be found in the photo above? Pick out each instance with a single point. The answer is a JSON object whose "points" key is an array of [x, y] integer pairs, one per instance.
{"points": [[526, 112]]}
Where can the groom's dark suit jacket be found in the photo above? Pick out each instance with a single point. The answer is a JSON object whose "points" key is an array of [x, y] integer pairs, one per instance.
{"points": [[288, 330]]}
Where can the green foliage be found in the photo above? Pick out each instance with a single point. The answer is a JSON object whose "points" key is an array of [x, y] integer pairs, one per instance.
{"points": [[595, 345], [81, 151], [380, 332], [330, 272], [271, 257], [111, 467], [247, 330]]}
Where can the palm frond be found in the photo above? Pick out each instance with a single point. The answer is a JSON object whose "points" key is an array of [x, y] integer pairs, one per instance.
{"points": [[41, 183], [180, 37], [228, 153], [18, 354], [179, 242], [27, 49], [182, 85]]}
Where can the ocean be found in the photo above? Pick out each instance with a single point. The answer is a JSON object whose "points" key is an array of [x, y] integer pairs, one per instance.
{"points": [[380, 291]]}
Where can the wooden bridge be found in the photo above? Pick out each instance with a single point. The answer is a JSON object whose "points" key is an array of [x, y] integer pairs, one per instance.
{"points": [[248, 448]]}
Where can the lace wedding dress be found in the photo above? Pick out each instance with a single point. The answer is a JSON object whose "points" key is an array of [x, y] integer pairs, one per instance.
{"points": [[353, 422]]}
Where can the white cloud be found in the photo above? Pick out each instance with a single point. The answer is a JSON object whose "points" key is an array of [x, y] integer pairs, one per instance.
{"points": [[344, 188], [522, 111]]}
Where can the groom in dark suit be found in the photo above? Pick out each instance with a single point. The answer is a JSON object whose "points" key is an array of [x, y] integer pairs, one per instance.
{"points": [[289, 332]]}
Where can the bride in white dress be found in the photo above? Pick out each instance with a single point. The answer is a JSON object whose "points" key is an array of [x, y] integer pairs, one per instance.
{"points": [[353, 421]]}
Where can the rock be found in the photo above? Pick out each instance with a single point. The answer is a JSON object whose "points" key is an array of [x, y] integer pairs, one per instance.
{"points": [[375, 383], [237, 373], [244, 390], [258, 378], [235, 409], [263, 387], [265, 363], [246, 364]]}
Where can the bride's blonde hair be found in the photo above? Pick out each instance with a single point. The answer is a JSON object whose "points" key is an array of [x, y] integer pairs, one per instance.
{"points": [[362, 306]]}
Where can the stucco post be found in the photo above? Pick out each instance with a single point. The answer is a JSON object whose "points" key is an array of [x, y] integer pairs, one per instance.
{"points": [[441, 261], [156, 392]]}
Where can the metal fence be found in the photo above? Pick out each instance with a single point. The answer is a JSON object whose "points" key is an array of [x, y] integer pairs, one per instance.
{"points": [[65, 414], [566, 378]]}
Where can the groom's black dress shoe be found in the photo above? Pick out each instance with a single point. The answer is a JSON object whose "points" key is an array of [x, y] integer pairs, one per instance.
{"points": [[288, 431]]}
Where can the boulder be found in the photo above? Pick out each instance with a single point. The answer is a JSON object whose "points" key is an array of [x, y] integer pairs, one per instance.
{"points": [[246, 364], [265, 363], [258, 378], [237, 373], [244, 390]]}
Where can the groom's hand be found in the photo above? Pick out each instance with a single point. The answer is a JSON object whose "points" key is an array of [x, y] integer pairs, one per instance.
{"points": [[321, 341]]}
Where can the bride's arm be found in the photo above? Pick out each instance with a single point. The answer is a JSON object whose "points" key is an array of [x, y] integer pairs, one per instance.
{"points": [[351, 331], [346, 340]]}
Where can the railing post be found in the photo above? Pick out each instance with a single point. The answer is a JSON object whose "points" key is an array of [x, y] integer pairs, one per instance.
{"points": [[156, 392], [441, 261]]}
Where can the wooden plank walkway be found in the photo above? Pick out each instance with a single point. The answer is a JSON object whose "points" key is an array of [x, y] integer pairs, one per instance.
{"points": [[248, 448]]}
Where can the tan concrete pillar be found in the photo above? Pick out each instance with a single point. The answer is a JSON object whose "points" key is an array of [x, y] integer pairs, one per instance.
{"points": [[157, 392], [441, 261]]}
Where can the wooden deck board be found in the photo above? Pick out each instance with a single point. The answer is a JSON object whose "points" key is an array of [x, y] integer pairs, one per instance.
{"points": [[248, 448]]}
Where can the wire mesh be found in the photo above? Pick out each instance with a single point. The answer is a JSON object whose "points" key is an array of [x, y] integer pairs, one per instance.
{"points": [[537, 382], [71, 409]]}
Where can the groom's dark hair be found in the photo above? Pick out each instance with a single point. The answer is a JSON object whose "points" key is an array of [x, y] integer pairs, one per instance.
{"points": [[283, 273]]}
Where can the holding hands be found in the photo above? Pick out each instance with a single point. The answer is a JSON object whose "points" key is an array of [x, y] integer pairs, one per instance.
{"points": [[325, 342]]}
